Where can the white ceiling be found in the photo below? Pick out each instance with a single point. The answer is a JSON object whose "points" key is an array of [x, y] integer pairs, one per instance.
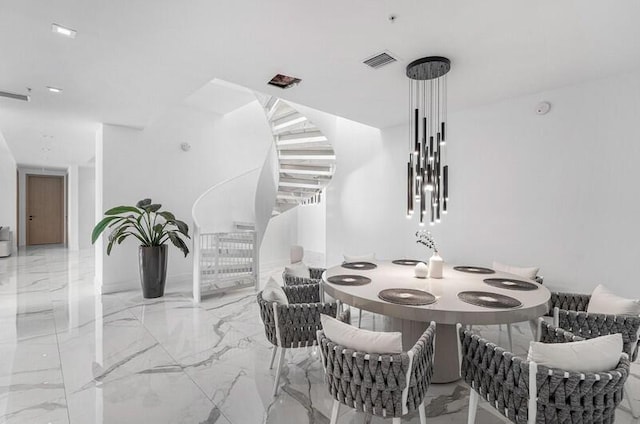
{"points": [[131, 60], [220, 97]]}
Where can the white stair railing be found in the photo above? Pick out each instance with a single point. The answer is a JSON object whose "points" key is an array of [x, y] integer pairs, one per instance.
{"points": [[227, 261], [224, 251]]}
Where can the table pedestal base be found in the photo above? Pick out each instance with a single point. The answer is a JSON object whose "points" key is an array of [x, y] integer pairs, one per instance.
{"points": [[446, 367]]}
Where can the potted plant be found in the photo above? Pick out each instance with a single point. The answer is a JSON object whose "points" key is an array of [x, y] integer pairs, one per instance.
{"points": [[153, 228]]}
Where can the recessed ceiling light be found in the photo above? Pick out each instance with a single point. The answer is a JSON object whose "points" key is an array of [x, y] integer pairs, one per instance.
{"points": [[67, 32], [54, 89]]}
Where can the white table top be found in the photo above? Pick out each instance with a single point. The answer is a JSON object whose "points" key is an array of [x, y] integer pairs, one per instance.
{"points": [[448, 309]]}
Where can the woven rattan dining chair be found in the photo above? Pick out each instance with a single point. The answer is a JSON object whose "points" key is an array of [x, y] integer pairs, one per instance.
{"points": [[526, 392], [532, 323], [385, 385], [294, 325], [570, 313], [314, 278]]}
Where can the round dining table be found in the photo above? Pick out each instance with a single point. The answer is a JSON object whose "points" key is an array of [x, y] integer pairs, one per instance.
{"points": [[447, 310]]}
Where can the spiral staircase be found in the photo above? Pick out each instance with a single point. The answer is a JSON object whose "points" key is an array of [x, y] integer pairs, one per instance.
{"points": [[298, 166], [306, 158]]}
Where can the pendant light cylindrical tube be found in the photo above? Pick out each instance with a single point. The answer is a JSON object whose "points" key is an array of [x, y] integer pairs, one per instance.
{"points": [[427, 175]]}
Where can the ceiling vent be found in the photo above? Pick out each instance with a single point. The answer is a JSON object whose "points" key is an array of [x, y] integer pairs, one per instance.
{"points": [[284, 81], [15, 96], [379, 60]]}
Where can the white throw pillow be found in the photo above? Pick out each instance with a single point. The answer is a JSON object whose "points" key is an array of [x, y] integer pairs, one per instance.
{"points": [[5, 233], [526, 272], [298, 270], [360, 340], [272, 292], [604, 302], [359, 258], [600, 354]]}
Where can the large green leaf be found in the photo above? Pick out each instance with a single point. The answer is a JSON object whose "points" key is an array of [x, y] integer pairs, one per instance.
{"points": [[153, 208], [120, 219], [182, 227], [179, 243], [122, 209], [167, 215], [100, 227], [143, 203]]}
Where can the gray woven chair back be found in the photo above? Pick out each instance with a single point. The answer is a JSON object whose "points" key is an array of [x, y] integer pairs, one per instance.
{"points": [[574, 318], [569, 301], [314, 278], [374, 383], [300, 320], [563, 397]]}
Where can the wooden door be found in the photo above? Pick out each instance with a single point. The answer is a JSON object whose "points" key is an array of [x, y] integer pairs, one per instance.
{"points": [[45, 209]]}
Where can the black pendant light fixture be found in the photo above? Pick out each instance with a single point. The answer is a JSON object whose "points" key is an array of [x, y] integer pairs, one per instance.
{"points": [[427, 174]]}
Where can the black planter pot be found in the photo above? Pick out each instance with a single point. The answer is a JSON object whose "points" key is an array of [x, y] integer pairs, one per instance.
{"points": [[153, 270]]}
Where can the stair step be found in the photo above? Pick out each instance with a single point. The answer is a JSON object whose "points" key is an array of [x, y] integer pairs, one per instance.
{"points": [[288, 198], [300, 191], [300, 184], [279, 110], [306, 170], [287, 122], [307, 154], [244, 226], [271, 105], [300, 138]]}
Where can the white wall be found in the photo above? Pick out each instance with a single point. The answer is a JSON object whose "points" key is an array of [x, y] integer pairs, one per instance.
{"points": [[137, 164], [365, 198], [86, 205], [22, 207], [73, 241], [312, 231], [280, 235], [7, 188], [557, 191]]}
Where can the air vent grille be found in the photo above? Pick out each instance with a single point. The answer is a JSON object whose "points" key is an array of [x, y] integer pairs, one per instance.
{"points": [[380, 60], [15, 96]]}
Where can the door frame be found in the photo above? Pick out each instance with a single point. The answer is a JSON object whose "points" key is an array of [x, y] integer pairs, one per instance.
{"points": [[63, 205]]}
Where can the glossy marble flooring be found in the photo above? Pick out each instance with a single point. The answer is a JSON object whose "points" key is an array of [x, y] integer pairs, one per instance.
{"points": [[70, 356]]}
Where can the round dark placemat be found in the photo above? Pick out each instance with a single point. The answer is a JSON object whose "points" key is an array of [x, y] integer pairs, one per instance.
{"points": [[474, 269], [509, 284], [408, 262], [349, 280], [489, 300], [411, 297], [359, 265]]}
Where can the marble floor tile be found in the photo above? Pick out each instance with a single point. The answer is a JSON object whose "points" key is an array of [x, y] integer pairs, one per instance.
{"points": [[72, 356]]}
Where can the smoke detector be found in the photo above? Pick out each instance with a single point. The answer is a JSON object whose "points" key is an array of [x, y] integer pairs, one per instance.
{"points": [[543, 108]]}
